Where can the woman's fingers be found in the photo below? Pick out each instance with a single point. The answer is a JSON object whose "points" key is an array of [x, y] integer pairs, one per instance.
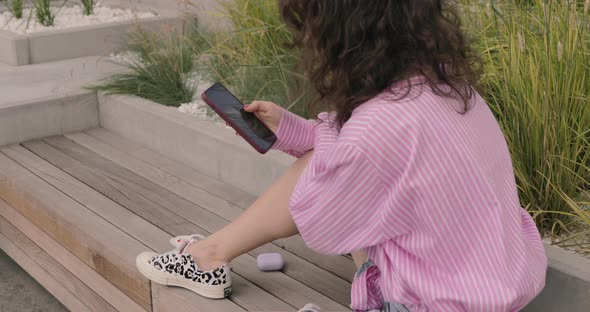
{"points": [[258, 106], [267, 112], [252, 107]]}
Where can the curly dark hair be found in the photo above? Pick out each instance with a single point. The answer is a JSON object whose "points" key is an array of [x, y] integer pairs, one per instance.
{"points": [[353, 50]]}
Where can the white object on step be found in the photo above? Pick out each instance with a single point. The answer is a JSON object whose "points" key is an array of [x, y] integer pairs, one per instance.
{"points": [[270, 262]]}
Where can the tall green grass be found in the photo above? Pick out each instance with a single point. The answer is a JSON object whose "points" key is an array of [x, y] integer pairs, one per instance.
{"points": [[88, 6], [161, 70], [43, 12], [16, 8], [537, 82], [252, 58]]}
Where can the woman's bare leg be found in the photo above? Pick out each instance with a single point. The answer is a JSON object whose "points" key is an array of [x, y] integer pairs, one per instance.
{"points": [[266, 220], [359, 257]]}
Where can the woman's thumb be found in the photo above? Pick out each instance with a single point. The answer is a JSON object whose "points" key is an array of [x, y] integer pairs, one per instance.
{"points": [[258, 106], [252, 107]]}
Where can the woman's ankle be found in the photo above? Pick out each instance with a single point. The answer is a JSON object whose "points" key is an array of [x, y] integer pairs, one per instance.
{"points": [[205, 256]]}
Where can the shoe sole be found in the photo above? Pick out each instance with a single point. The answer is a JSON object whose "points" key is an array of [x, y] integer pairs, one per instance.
{"points": [[164, 278]]}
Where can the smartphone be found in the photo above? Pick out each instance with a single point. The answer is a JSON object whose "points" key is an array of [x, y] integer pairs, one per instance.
{"points": [[246, 124]]}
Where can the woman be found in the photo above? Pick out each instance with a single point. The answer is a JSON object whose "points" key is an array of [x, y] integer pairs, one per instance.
{"points": [[410, 168]]}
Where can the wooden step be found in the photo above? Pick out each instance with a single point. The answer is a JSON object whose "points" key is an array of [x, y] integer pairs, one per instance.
{"points": [[220, 198], [68, 299], [76, 267], [144, 231], [93, 201], [55, 270], [99, 244], [201, 209], [177, 216]]}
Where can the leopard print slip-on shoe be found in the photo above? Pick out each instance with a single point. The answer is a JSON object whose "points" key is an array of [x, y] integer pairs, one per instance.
{"points": [[177, 269]]}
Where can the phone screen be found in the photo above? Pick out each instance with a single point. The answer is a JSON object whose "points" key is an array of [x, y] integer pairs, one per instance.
{"points": [[227, 104]]}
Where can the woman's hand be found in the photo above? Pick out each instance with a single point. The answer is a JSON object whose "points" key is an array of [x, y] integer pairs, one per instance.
{"points": [[269, 113]]}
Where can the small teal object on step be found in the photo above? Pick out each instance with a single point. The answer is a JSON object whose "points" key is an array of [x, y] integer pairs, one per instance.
{"points": [[270, 262]]}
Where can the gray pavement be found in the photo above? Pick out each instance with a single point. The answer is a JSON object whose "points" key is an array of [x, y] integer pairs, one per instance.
{"points": [[19, 292]]}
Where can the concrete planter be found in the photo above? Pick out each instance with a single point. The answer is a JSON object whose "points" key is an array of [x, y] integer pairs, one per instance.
{"points": [[206, 146], [48, 115], [22, 49], [217, 152]]}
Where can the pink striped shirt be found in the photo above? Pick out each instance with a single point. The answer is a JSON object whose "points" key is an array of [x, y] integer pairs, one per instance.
{"points": [[429, 193]]}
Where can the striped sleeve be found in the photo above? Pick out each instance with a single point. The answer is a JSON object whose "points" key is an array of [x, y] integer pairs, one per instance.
{"points": [[337, 202], [295, 135]]}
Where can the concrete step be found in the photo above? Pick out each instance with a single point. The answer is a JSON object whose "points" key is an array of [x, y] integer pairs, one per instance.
{"points": [[62, 78], [97, 39], [49, 99]]}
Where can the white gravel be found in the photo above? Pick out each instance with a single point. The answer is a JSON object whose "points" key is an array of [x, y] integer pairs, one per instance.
{"points": [[195, 109], [124, 58], [70, 16], [199, 109]]}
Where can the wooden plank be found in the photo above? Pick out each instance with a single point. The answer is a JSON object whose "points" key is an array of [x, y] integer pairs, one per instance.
{"points": [[161, 178], [283, 286], [111, 184], [201, 220], [300, 269], [82, 271], [339, 265], [81, 231], [253, 298], [243, 288], [56, 289], [167, 299], [56, 270], [147, 233], [186, 173], [116, 214]]}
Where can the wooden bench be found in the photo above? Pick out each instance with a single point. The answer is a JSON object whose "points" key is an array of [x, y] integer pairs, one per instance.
{"points": [[75, 210]]}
